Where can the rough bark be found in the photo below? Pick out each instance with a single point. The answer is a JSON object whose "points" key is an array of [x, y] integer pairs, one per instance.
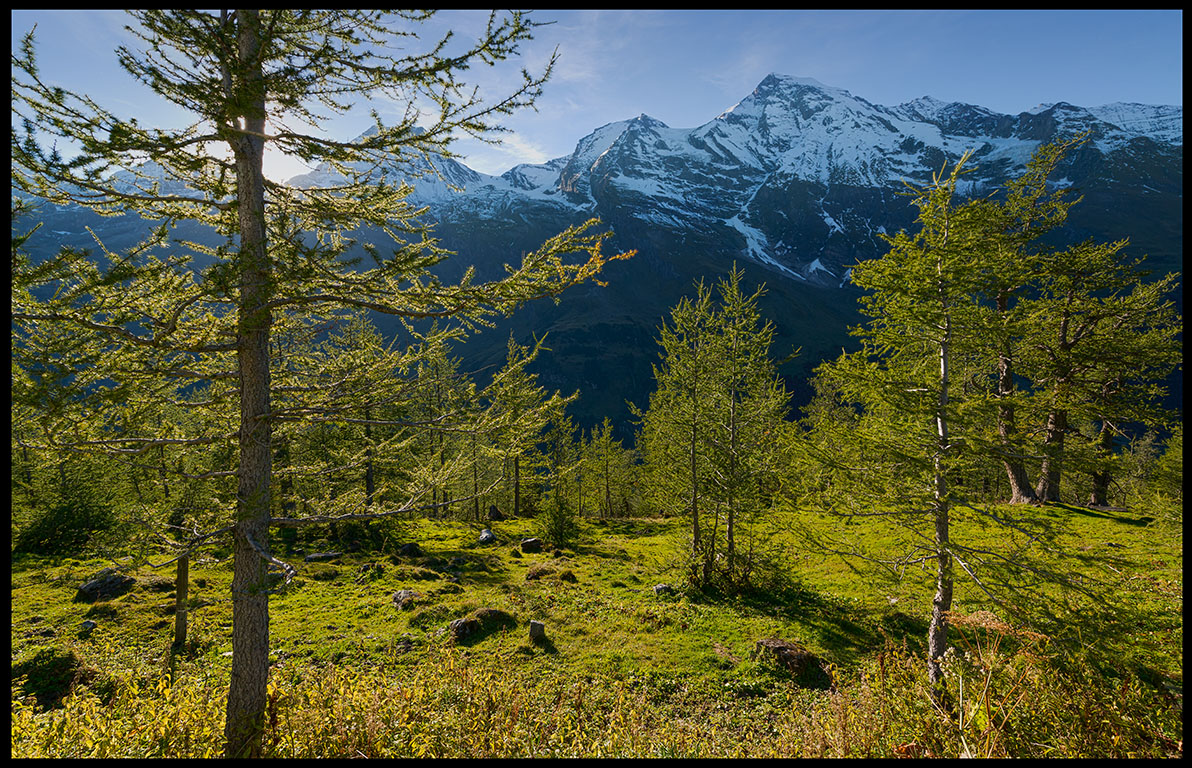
{"points": [[181, 592], [370, 486], [1048, 488], [1021, 491], [250, 601], [1101, 478], [937, 631], [696, 545], [516, 486]]}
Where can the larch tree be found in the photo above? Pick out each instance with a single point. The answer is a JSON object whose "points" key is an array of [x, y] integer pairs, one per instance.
{"points": [[1078, 325], [1031, 209], [1100, 340], [674, 425], [610, 470], [710, 433], [143, 321], [898, 427], [521, 411], [910, 438]]}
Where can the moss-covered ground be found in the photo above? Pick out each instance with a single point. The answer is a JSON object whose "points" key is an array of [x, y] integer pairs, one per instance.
{"points": [[665, 674]]}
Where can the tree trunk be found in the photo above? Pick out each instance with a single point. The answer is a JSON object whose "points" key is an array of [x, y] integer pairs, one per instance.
{"points": [[370, 486], [608, 493], [696, 544], [730, 538], [1012, 459], [244, 724], [1101, 478], [937, 631], [475, 480], [516, 485], [1048, 488], [181, 591]]}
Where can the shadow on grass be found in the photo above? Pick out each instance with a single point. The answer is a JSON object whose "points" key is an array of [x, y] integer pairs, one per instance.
{"points": [[1104, 514], [481, 624], [847, 632]]}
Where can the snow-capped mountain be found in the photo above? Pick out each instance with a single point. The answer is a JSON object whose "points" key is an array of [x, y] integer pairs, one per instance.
{"points": [[795, 183], [798, 176]]}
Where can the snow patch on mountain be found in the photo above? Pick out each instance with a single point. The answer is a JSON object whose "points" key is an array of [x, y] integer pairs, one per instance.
{"points": [[1164, 123], [788, 131]]}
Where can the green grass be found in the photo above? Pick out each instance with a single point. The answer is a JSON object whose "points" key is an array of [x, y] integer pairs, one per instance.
{"points": [[663, 675]]}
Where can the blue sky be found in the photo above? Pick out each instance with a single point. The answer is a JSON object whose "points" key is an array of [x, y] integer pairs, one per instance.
{"points": [[686, 67]]}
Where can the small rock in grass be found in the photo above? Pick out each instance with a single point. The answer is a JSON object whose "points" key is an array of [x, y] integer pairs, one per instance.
{"points": [[106, 584], [404, 599]]}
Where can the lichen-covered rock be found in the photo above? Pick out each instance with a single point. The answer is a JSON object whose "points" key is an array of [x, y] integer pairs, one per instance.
{"points": [[785, 653], [105, 585], [481, 620], [404, 599]]}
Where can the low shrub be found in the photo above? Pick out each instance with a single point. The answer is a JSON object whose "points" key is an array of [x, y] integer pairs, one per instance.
{"points": [[67, 526]]}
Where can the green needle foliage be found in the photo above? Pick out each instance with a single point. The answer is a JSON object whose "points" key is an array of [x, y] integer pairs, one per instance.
{"points": [[973, 325], [114, 331], [709, 435]]}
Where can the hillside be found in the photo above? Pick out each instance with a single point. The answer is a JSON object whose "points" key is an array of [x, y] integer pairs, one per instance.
{"points": [[625, 668]]}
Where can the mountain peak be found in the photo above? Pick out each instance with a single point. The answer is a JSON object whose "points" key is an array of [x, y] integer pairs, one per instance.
{"points": [[777, 78], [649, 122]]}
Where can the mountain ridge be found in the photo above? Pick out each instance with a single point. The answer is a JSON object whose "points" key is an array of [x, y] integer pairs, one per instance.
{"points": [[795, 183], [788, 129]]}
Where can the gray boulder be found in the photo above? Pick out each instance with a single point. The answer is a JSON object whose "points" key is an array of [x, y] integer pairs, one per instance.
{"points": [[316, 557], [531, 545], [537, 630], [487, 537], [404, 599], [104, 585], [462, 628], [494, 513]]}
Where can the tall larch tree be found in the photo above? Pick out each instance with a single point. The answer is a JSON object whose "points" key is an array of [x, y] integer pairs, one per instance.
{"points": [[256, 81], [911, 436]]}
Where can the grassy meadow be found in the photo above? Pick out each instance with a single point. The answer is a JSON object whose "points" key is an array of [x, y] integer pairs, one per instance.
{"points": [[622, 671]]}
